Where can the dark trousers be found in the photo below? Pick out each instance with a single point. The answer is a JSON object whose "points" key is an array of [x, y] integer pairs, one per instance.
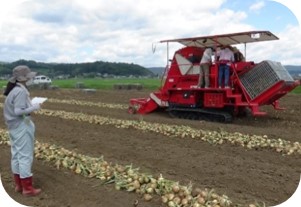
{"points": [[223, 73]]}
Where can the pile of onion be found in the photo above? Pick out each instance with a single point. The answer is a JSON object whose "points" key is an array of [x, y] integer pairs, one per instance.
{"points": [[128, 178]]}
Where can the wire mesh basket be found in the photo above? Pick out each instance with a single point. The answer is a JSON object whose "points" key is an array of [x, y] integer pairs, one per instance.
{"points": [[263, 76]]}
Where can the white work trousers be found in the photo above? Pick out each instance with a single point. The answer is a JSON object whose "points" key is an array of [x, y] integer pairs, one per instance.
{"points": [[22, 148]]}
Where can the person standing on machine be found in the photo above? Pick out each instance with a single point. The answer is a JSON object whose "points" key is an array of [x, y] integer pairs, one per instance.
{"points": [[205, 64], [226, 57]]}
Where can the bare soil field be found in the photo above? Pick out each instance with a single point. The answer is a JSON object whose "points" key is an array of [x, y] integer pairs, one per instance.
{"points": [[245, 175]]}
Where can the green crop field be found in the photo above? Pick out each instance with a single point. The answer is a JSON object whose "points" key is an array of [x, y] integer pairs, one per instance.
{"points": [[147, 83], [95, 83], [297, 90]]}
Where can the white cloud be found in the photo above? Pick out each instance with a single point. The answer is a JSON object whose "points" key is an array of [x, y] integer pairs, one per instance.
{"points": [[114, 31], [257, 6], [285, 50]]}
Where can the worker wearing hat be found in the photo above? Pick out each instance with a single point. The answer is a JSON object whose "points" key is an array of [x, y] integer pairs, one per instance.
{"points": [[17, 109]]}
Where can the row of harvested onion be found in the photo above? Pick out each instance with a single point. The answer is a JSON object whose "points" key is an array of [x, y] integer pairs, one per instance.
{"points": [[128, 178], [213, 137], [85, 103], [88, 103]]}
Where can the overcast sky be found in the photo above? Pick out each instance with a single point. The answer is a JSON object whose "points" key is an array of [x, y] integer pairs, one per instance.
{"points": [[74, 31]]}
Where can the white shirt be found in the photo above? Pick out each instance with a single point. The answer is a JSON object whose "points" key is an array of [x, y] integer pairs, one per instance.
{"points": [[226, 55], [17, 104], [207, 56]]}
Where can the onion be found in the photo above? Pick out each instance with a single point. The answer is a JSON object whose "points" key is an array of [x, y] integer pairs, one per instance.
{"points": [[130, 172], [187, 192], [189, 197], [204, 194], [65, 163], [78, 170], [135, 177], [146, 179], [153, 180], [120, 169], [150, 190], [141, 180], [136, 184], [164, 199], [215, 202], [196, 205], [170, 196], [181, 194], [201, 200], [147, 197], [214, 196], [171, 204], [184, 201], [153, 185], [102, 177], [108, 173], [177, 200], [175, 188], [105, 163], [72, 167]]}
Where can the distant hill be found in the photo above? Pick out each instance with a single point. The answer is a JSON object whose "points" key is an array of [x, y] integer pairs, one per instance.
{"points": [[98, 68], [293, 69], [91, 69], [157, 70]]}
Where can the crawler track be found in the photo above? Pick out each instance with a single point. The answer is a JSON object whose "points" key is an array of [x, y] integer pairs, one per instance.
{"points": [[200, 114]]}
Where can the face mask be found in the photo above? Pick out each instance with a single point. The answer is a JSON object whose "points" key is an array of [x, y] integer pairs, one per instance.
{"points": [[29, 82]]}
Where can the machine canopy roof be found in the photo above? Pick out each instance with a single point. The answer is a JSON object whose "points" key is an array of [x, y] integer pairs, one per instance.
{"points": [[226, 39]]}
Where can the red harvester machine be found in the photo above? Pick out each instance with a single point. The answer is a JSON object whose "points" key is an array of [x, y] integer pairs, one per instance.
{"points": [[252, 84]]}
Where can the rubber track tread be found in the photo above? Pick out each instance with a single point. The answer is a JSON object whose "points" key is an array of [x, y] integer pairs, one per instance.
{"points": [[201, 114]]}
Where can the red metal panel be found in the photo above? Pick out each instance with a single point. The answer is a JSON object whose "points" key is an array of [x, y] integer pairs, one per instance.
{"points": [[243, 66], [274, 93], [215, 100], [142, 105], [183, 97]]}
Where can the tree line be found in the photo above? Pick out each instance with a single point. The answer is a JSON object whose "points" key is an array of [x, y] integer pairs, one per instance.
{"points": [[78, 69]]}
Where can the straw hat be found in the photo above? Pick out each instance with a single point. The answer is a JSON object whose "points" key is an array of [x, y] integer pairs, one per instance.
{"points": [[22, 73]]}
